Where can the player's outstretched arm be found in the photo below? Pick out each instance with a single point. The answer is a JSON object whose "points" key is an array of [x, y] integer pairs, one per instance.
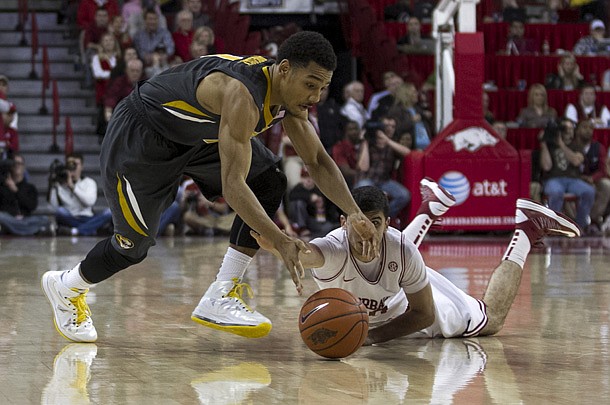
{"points": [[311, 258], [239, 116], [419, 316], [328, 178]]}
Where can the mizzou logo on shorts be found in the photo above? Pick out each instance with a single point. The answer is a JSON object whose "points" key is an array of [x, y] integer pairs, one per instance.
{"points": [[123, 242]]}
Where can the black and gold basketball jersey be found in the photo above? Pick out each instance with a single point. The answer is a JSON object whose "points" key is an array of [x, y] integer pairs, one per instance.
{"points": [[171, 103]]}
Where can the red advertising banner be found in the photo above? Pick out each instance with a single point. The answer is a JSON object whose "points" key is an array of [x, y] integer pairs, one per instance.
{"points": [[484, 172]]}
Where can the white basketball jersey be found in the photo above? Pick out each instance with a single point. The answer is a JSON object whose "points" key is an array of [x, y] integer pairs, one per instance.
{"points": [[381, 284]]}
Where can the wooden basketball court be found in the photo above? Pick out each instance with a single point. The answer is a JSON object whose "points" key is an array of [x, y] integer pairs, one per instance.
{"points": [[554, 349]]}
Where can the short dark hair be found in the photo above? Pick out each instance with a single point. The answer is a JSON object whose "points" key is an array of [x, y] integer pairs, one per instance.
{"points": [[371, 199], [75, 155], [308, 46]]}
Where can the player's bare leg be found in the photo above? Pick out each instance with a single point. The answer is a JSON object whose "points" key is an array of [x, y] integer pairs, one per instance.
{"points": [[435, 202], [532, 223]]}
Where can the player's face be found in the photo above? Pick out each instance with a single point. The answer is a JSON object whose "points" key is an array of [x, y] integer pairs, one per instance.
{"points": [[300, 88], [381, 223]]}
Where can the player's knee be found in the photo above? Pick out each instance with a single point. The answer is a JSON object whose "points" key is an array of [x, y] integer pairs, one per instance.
{"points": [[134, 248]]}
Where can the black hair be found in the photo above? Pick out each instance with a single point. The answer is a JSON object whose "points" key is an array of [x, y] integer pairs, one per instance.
{"points": [[76, 155], [371, 199], [308, 46]]}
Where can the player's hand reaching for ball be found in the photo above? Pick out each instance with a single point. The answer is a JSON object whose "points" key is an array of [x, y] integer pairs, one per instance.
{"points": [[366, 231], [287, 249]]}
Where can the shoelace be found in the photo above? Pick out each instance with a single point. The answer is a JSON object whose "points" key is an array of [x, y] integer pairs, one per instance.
{"points": [[82, 309], [237, 290]]}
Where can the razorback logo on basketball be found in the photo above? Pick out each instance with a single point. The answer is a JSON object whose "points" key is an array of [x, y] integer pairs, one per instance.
{"points": [[393, 266], [123, 242], [472, 139], [375, 306], [320, 336]]}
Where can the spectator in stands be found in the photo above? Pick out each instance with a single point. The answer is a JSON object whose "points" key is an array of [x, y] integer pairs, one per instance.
{"points": [[517, 43], [9, 136], [73, 197], [414, 42], [353, 109], [538, 113], [588, 108], [90, 42], [159, 63], [183, 35], [568, 76], [594, 172], [87, 9], [386, 102], [500, 128], [511, 11], [120, 87], [18, 200], [5, 103], [549, 13], [200, 17], [205, 217], [351, 154], [205, 35], [152, 37], [409, 114], [560, 160], [330, 120], [385, 154], [592, 44], [375, 97], [308, 208], [127, 55], [101, 65], [198, 49], [133, 13], [399, 11], [117, 28]]}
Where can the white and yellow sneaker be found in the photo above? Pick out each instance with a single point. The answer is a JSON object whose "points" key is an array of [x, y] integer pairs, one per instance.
{"points": [[71, 314], [231, 385], [71, 373], [223, 308]]}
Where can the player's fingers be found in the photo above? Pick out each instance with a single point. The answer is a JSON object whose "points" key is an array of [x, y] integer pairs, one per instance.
{"points": [[255, 235], [296, 279], [299, 269]]}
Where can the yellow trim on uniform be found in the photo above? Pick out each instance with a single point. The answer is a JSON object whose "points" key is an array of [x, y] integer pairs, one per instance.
{"points": [[184, 106], [126, 211], [266, 106]]}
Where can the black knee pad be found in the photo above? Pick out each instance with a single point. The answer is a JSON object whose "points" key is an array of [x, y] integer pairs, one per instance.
{"points": [[269, 188], [104, 260]]}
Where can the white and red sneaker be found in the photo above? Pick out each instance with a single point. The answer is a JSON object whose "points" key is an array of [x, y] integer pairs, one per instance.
{"points": [[436, 201], [538, 221]]}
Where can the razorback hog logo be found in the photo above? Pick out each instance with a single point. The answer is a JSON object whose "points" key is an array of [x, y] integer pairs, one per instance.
{"points": [[472, 139]]}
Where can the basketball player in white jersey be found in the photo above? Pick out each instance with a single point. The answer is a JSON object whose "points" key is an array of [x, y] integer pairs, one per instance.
{"points": [[406, 298]]}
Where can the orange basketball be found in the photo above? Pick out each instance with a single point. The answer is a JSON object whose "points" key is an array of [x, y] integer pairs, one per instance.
{"points": [[333, 323]]}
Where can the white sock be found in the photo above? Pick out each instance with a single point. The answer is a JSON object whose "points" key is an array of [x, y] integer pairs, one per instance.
{"points": [[233, 265], [74, 280], [418, 228], [518, 248]]}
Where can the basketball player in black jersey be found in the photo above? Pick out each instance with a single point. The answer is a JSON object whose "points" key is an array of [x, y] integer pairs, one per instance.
{"points": [[200, 119]]}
